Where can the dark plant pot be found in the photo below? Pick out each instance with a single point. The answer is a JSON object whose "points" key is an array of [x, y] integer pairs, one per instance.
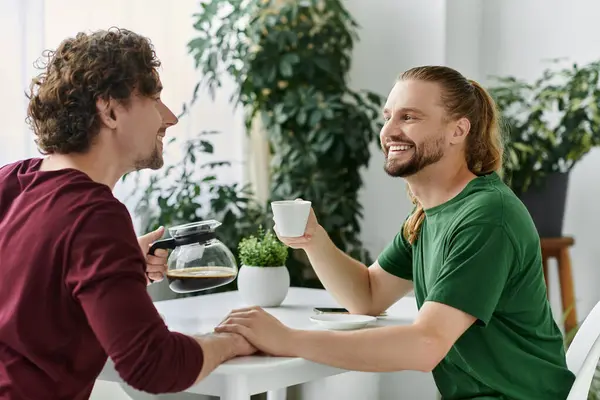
{"points": [[546, 204]]}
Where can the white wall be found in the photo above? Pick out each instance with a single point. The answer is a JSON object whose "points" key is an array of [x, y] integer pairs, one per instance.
{"points": [[21, 33]]}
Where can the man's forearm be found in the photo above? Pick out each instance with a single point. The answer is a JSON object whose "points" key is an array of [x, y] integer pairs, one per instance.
{"points": [[216, 348], [345, 278], [384, 349]]}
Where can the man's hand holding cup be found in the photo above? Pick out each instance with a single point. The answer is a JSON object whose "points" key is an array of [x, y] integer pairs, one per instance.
{"points": [[295, 222]]}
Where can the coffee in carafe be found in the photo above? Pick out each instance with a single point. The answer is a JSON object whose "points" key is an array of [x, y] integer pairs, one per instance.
{"points": [[198, 278], [198, 260]]}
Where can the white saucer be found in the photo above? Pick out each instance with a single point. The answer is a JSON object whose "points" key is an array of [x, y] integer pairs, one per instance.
{"points": [[342, 322]]}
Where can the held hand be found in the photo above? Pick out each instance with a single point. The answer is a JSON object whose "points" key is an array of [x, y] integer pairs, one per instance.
{"points": [[237, 345], [242, 346], [304, 241], [156, 265], [261, 329]]}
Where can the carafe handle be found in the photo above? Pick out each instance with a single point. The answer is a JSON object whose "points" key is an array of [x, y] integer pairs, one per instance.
{"points": [[162, 244]]}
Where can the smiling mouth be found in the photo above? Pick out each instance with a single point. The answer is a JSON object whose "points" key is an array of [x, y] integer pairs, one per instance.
{"points": [[401, 147], [398, 149], [161, 134]]}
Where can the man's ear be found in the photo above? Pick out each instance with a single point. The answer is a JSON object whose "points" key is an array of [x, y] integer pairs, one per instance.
{"points": [[461, 130], [106, 112]]}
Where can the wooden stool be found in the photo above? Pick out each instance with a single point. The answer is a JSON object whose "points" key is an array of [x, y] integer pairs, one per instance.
{"points": [[559, 248]]}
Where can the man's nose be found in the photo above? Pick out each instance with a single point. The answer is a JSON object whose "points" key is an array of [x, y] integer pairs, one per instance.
{"points": [[169, 119], [385, 131]]}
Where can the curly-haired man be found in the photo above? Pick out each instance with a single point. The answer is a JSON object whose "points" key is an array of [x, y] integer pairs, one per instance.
{"points": [[74, 275]]}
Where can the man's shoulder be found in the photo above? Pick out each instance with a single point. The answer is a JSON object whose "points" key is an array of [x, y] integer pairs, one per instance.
{"points": [[14, 167], [88, 192], [495, 208], [65, 195], [77, 191], [87, 201], [90, 208], [493, 204]]}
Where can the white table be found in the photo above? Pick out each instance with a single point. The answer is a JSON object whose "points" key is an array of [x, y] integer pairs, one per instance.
{"points": [[242, 377]]}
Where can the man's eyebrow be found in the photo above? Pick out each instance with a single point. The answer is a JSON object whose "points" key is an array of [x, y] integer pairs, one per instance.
{"points": [[411, 110], [405, 110]]}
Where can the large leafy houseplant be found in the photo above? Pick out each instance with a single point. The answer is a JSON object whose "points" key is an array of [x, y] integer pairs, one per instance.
{"points": [[552, 123], [290, 61]]}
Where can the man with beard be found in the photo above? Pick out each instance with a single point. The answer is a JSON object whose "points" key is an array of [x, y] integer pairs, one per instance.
{"points": [[73, 287], [469, 250]]}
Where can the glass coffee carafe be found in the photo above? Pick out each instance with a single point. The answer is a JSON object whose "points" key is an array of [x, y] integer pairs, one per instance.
{"points": [[198, 260]]}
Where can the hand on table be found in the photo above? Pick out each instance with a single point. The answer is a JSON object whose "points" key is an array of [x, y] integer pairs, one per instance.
{"points": [[242, 345], [261, 329], [156, 265]]}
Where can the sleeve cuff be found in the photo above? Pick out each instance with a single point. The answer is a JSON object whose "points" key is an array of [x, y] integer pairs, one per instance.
{"points": [[389, 267], [463, 304]]}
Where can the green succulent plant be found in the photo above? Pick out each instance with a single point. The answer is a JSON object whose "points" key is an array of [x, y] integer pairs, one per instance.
{"points": [[262, 250]]}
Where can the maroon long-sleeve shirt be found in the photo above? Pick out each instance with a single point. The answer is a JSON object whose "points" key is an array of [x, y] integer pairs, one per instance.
{"points": [[73, 291]]}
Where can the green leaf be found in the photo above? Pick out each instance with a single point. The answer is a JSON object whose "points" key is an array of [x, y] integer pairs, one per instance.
{"points": [[523, 147], [514, 158], [212, 61], [301, 117], [206, 147], [315, 117], [285, 68], [323, 64], [292, 58]]}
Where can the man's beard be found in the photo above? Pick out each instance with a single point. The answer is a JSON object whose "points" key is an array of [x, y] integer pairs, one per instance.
{"points": [[154, 161], [428, 153]]}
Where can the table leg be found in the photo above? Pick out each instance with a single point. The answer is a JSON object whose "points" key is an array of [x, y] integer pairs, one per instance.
{"points": [[566, 290], [236, 388], [545, 271], [278, 394]]}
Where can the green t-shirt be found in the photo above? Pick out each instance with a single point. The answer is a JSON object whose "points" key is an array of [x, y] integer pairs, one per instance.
{"points": [[480, 253]]}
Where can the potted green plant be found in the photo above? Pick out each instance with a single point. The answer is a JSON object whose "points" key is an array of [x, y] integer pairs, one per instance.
{"points": [[551, 124], [263, 279], [290, 63]]}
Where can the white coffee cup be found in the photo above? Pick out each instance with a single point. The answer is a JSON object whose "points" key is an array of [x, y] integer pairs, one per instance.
{"points": [[290, 217]]}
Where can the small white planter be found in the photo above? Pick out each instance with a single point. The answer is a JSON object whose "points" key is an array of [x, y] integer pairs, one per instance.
{"points": [[263, 286]]}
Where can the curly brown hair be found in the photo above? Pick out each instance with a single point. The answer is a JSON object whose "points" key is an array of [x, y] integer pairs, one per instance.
{"points": [[106, 64]]}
